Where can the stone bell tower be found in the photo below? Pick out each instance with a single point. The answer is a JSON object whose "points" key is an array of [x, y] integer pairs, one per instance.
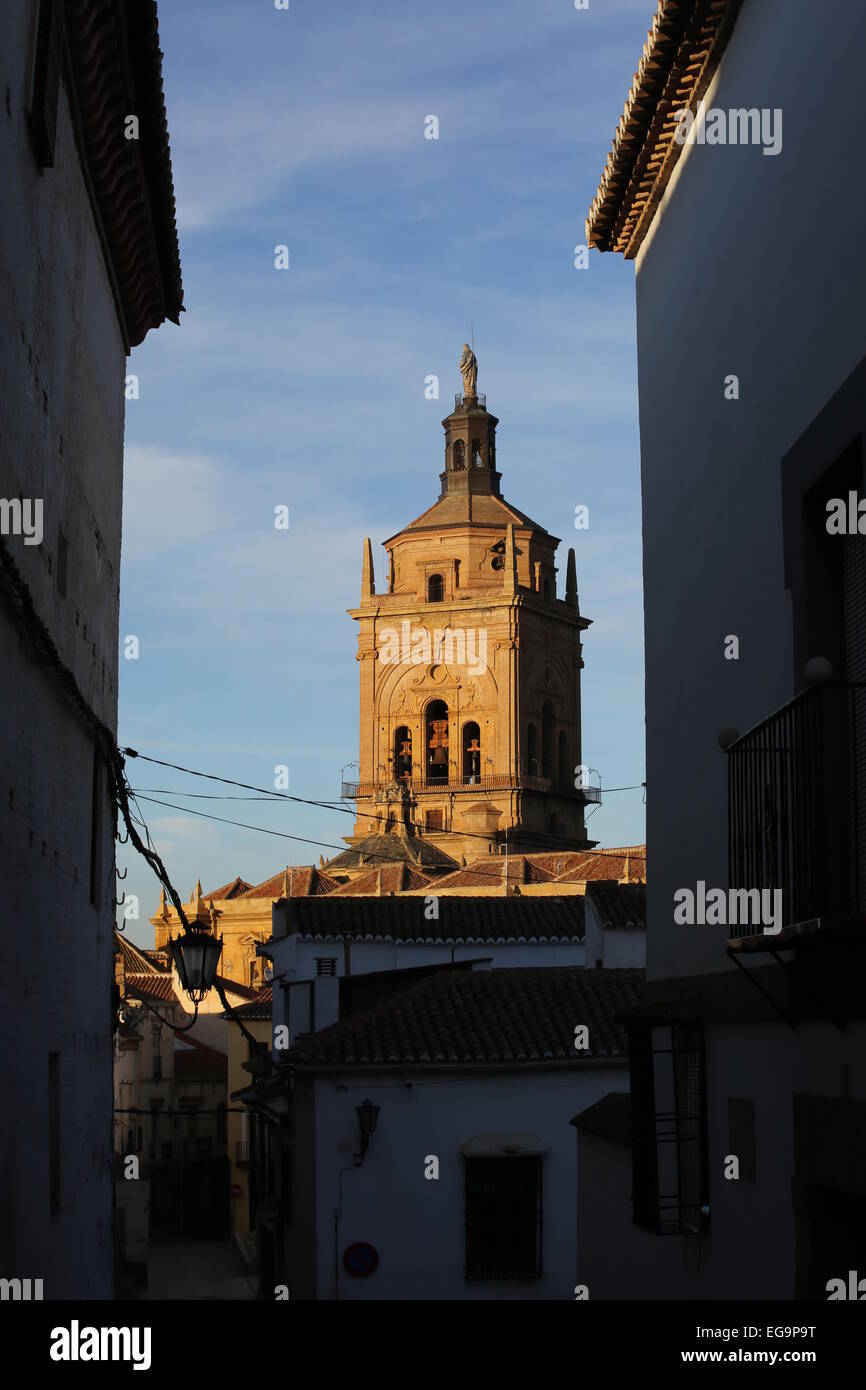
{"points": [[470, 668]]}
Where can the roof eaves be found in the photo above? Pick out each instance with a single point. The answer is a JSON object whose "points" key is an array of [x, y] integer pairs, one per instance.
{"points": [[680, 57], [115, 67]]}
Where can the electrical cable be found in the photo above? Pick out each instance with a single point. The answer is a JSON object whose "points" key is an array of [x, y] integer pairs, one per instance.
{"points": [[269, 795]]}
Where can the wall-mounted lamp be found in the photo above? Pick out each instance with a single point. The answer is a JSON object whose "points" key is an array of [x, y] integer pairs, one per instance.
{"points": [[368, 1118]]}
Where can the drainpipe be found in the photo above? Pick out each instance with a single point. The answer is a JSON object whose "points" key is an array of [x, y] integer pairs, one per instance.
{"points": [[338, 1216]]}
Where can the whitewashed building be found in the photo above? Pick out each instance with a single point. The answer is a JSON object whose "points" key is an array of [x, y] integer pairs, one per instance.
{"points": [[350, 936], [88, 265], [615, 926], [745, 1153], [425, 1150]]}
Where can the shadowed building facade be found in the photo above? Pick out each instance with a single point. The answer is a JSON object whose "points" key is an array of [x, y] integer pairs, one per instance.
{"points": [[89, 264], [470, 670]]}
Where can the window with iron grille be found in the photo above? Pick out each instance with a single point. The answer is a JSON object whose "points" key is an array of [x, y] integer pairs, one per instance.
{"points": [[670, 1175], [326, 965], [503, 1218]]}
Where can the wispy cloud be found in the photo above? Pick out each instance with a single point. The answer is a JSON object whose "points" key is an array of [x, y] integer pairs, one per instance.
{"points": [[306, 387]]}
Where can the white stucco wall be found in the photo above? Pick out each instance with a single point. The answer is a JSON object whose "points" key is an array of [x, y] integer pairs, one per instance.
{"points": [[612, 948], [617, 1259], [61, 440], [753, 266], [418, 1224], [295, 960], [623, 950]]}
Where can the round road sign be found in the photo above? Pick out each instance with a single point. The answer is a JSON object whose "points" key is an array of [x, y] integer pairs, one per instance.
{"points": [[360, 1259]]}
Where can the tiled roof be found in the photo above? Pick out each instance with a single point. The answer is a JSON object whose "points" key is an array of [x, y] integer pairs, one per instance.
{"points": [[489, 871], [235, 889], [619, 906], [259, 1008], [488, 1016], [151, 986], [388, 878], [297, 881], [682, 52], [466, 919], [567, 866], [390, 849], [477, 509], [593, 867], [116, 68], [160, 985], [136, 961], [577, 862]]}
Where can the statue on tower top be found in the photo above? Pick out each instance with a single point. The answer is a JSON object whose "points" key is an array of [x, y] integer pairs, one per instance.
{"points": [[469, 371]]}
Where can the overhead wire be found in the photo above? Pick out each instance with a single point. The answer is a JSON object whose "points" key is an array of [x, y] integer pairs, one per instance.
{"points": [[265, 794]]}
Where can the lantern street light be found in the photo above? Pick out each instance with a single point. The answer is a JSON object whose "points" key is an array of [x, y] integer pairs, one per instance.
{"points": [[368, 1117], [196, 955]]}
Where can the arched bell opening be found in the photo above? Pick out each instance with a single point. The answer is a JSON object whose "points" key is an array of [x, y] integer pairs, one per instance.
{"points": [[437, 741], [471, 753]]}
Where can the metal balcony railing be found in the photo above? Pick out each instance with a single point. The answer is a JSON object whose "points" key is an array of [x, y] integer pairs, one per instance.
{"points": [[797, 805], [351, 791], [479, 400]]}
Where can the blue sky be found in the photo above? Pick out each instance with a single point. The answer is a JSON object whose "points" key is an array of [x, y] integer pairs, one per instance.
{"points": [[305, 387]]}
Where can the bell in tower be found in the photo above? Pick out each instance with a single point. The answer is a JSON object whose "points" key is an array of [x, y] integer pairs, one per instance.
{"points": [[478, 748], [437, 742]]}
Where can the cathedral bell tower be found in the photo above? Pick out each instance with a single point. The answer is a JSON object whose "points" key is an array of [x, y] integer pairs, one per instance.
{"points": [[470, 669]]}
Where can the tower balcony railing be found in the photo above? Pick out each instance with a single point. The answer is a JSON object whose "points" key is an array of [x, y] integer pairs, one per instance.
{"points": [[480, 400], [497, 781], [797, 806]]}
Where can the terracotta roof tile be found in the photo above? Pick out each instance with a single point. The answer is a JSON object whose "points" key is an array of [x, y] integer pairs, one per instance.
{"points": [[151, 986], [116, 67], [681, 54], [235, 889], [404, 918], [389, 878], [488, 871], [259, 1008], [136, 961], [376, 850], [566, 866], [458, 509], [619, 906], [304, 881], [488, 1016]]}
